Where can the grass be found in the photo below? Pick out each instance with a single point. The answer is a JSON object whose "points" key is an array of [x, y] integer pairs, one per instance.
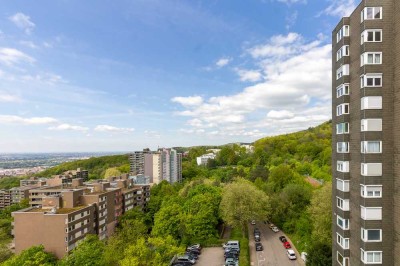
{"points": [[244, 257]]}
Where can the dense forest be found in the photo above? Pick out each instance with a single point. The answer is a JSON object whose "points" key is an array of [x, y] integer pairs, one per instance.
{"points": [[288, 175]]}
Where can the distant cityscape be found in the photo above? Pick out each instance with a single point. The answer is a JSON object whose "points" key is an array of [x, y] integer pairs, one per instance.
{"points": [[31, 163]]}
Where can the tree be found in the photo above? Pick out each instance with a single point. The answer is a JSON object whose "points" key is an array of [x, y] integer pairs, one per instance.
{"points": [[280, 176], [242, 202], [110, 172], [319, 254], [89, 252], [167, 220], [321, 214], [34, 256]]}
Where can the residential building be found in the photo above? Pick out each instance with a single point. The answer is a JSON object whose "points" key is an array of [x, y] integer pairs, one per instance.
{"points": [[164, 164], [5, 198], [203, 159], [61, 215], [366, 142]]}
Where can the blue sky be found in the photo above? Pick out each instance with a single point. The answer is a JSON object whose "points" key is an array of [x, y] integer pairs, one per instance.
{"points": [[124, 75]]}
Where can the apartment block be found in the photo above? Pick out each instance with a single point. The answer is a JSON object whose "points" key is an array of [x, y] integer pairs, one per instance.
{"points": [[164, 164], [61, 215], [366, 141]]}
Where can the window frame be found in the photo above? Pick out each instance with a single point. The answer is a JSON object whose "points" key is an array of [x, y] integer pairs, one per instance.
{"points": [[343, 89], [365, 122], [364, 216], [364, 13], [364, 235], [364, 35], [343, 204], [343, 70], [344, 221], [342, 52], [364, 191], [365, 149], [364, 256], [343, 185], [365, 56], [343, 128], [374, 76], [341, 109], [343, 242], [365, 105], [344, 144], [343, 32], [343, 166]]}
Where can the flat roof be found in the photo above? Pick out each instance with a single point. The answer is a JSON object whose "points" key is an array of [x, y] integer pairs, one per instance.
{"points": [[58, 211]]}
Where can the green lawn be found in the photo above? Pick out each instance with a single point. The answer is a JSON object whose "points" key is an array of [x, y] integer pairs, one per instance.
{"points": [[244, 258]]}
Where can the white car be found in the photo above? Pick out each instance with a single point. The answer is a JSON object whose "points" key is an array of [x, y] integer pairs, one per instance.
{"points": [[275, 229], [304, 256], [253, 222], [290, 253]]}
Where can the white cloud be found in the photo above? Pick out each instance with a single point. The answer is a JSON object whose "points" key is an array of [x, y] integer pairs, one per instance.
{"points": [[29, 44], [283, 114], [189, 101], [296, 81], [107, 128], [13, 119], [11, 56], [248, 75], [48, 78], [23, 21], [5, 97], [340, 8], [223, 62], [291, 19], [63, 127]]}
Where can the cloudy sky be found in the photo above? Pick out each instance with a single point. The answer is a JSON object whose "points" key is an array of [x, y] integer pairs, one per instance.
{"points": [[121, 75]]}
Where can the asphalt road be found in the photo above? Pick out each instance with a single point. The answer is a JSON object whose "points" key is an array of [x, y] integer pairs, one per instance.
{"points": [[274, 254]]}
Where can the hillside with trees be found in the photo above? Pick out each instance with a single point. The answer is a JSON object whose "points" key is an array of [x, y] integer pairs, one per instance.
{"points": [[278, 174]]}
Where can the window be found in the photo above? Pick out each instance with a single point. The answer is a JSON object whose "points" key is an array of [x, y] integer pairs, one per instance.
{"points": [[371, 58], [371, 235], [371, 80], [343, 89], [371, 191], [344, 261], [371, 36], [371, 125], [371, 169], [344, 31], [371, 13], [371, 146], [342, 147], [342, 109], [343, 242], [342, 71], [371, 102], [343, 51], [371, 257], [342, 166], [343, 185], [342, 128], [371, 213], [342, 204], [342, 223]]}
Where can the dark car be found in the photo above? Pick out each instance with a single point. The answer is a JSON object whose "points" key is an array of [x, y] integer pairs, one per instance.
{"points": [[192, 255], [193, 250], [259, 247], [231, 253], [256, 231], [283, 239]]}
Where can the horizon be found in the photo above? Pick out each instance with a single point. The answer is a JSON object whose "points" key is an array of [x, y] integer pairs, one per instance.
{"points": [[130, 75]]}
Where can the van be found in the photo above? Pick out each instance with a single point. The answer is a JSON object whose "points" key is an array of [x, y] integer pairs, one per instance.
{"points": [[231, 244]]}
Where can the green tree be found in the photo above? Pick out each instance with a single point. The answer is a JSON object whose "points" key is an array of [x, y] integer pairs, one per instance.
{"points": [[319, 254], [242, 202], [110, 172], [34, 256], [280, 176], [167, 220], [89, 252]]}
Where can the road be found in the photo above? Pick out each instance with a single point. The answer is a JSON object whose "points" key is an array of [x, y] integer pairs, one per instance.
{"points": [[274, 254]]}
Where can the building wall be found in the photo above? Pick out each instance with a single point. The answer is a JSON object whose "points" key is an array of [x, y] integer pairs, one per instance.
{"points": [[156, 178]]}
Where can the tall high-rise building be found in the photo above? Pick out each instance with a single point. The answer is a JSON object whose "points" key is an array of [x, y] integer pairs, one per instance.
{"points": [[164, 164], [366, 140]]}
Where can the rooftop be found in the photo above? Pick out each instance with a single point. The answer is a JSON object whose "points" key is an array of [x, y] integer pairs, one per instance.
{"points": [[58, 211]]}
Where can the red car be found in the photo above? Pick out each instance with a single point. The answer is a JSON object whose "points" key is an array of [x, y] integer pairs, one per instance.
{"points": [[287, 245]]}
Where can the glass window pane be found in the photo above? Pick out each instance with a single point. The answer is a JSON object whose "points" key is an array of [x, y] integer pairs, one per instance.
{"points": [[377, 81], [377, 12], [374, 234], [370, 36], [369, 13], [370, 81], [370, 257], [377, 36]]}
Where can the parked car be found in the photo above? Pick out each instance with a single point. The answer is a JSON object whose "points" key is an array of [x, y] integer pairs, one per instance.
{"points": [[195, 246], [231, 243], [231, 262], [275, 229], [256, 231], [233, 250], [232, 254], [271, 225], [259, 247], [194, 249], [196, 252], [253, 222], [185, 258], [257, 238], [287, 245], [282, 239], [192, 255], [290, 253]]}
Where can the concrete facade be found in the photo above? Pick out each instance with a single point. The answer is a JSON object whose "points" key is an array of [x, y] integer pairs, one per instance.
{"points": [[365, 142]]}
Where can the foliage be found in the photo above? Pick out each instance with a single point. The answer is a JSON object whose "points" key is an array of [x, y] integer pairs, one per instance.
{"points": [[320, 254], [88, 252], [96, 166], [9, 182], [242, 202], [244, 256], [34, 256], [111, 172]]}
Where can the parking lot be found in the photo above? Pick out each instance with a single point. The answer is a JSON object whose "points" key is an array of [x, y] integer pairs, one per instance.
{"points": [[211, 257], [274, 254]]}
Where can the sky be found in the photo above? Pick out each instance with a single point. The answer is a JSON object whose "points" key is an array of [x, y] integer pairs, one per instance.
{"points": [[123, 75]]}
